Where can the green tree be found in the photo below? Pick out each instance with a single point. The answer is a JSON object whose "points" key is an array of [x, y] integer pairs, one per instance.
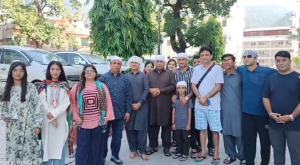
{"points": [[30, 18], [122, 27], [184, 19], [208, 32]]}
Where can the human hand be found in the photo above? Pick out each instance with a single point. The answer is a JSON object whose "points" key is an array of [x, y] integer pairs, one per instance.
{"points": [[54, 123], [188, 127], [153, 92], [136, 106], [276, 117], [50, 116], [203, 100], [127, 117], [37, 131], [183, 102], [174, 97], [285, 119], [174, 127], [78, 121]]}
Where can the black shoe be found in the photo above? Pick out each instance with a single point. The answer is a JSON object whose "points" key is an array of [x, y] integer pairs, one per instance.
{"points": [[174, 151], [117, 161], [167, 152]]}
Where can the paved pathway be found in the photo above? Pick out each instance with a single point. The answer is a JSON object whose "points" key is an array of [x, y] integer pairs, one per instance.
{"points": [[155, 159]]}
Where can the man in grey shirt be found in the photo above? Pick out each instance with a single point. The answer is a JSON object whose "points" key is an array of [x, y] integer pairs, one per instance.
{"points": [[137, 126], [231, 114]]}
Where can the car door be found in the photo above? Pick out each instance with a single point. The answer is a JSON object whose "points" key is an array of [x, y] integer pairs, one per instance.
{"points": [[3, 74], [76, 59]]}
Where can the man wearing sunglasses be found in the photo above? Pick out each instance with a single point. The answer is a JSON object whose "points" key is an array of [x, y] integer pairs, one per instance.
{"points": [[255, 118]]}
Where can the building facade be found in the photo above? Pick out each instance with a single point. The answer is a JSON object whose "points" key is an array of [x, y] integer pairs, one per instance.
{"points": [[268, 41]]}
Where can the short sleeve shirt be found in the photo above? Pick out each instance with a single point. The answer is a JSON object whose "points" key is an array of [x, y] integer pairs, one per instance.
{"points": [[182, 114], [215, 76]]}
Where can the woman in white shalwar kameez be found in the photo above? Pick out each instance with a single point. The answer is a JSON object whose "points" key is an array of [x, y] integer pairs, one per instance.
{"points": [[54, 97]]}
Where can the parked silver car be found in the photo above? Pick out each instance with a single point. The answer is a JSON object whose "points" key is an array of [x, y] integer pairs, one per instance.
{"points": [[36, 61], [81, 59]]}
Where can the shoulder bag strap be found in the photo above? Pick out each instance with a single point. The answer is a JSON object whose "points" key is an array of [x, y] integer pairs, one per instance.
{"points": [[205, 74]]}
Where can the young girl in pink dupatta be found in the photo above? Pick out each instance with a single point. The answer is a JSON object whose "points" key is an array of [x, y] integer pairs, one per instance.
{"points": [[92, 109]]}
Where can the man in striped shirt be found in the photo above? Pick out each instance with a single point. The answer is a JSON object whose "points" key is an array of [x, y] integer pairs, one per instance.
{"points": [[184, 73]]}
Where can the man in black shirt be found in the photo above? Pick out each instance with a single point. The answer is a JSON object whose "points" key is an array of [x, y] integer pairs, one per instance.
{"points": [[281, 98]]}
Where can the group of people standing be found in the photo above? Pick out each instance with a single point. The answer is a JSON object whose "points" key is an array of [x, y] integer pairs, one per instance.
{"points": [[196, 103]]}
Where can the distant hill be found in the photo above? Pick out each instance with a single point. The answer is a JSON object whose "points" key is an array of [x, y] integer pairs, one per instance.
{"points": [[258, 16]]}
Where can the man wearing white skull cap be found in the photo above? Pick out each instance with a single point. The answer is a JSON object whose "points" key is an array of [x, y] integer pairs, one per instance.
{"points": [[121, 96], [162, 86], [137, 126], [184, 73]]}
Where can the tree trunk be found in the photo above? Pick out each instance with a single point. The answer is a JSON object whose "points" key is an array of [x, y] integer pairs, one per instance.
{"points": [[181, 45], [38, 44]]}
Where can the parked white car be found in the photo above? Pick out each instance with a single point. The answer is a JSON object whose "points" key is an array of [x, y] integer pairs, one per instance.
{"points": [[81, 59], [36, 61]]}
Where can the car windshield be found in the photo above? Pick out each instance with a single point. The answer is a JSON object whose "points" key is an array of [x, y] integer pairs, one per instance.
{"points": [[94, 59], [44, 57]]}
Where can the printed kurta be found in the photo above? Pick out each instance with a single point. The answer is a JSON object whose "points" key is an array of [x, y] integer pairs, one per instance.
{"points": [[140, 90], [54, 138], [161, 106], [22, 144]]}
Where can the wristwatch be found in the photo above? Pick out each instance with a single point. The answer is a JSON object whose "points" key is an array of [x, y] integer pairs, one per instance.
{"points": [[292, 118], [139, 104], [186, 98]]}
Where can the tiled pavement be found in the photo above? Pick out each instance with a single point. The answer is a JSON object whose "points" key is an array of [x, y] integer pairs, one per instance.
{"points": [[155, 159]]}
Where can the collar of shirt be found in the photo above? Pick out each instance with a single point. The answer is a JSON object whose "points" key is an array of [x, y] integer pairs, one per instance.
{"points": [[164, 70], [113, 73], [232, 73], [136, 72], [178, 70], [256, 69]]}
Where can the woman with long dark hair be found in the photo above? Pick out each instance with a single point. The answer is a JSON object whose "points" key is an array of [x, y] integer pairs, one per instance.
{"points": [[149, 66], [92, 109], [21, 111], [54, 97]]}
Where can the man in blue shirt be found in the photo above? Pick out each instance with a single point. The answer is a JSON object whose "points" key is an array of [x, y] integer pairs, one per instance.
{"points": [[281, 98], [121, 97], [255, 118]]}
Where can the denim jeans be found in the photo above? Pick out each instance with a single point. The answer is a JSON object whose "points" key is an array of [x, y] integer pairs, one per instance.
{"points": [[117, 132]]}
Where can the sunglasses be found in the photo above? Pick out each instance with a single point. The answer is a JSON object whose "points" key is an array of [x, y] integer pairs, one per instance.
{"points": [[89, 71], [248, 56]]}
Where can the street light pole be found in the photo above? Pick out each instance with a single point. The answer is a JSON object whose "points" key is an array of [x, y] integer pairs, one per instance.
{"points": [[158, 29]]}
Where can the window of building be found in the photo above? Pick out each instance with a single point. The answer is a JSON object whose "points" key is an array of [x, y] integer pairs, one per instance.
{"points": [[280, 32], [280, 43], [224, 23], [252, 34], [84, 41], [261, 61], [253, 44], [261, 33], [261, 43]]}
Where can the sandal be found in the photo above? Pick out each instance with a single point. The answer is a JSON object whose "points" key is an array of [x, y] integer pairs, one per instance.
{"points": [[211, 151], [176, 156], [183, 158], [200, 158], [167, 153], [243, 162], [194, 154], [215, 161], [151, 151], [229, 160], [174, 144]]}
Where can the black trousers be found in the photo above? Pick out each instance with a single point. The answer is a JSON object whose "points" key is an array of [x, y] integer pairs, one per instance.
{"points": [[183, 139], [251, 125], [153, 131], [195, 138]]}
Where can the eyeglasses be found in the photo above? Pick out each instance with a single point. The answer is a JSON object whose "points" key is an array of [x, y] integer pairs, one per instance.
{"points": [[248, 56], [89, 71]]}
